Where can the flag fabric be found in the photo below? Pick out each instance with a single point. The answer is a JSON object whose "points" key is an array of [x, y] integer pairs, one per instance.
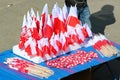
{"points": [[44, 15], [72, 20], [48, 28], [38, 21], [59, 25], [72, 17], [35, 33], [88, 30], [74, 37], [39, 48], [23, 33], [55, 14], [65, 12], [53, 46], [44, 18], [58, 43], [45, 45], [29, 19], [32, 13], [63, 41], [30, 47], [79, 33]]}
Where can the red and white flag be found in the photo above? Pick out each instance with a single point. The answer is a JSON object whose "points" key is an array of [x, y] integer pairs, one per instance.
{"points": [[65, 13], [55, 14], [30, 47], [29, 19], [59, 25], [58, 43], [38, 21], [35, 30], [32, 13], [63, 41], [53, 47], [72, 20], [23, 33], [48, 28], [79, 33], [88, 30], [74, 37], [44, 18], [40, 52], [45, 46]]}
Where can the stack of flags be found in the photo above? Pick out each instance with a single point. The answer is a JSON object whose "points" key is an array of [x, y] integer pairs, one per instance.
{"points": [[103, 45], [28, 67], [50, 35]]}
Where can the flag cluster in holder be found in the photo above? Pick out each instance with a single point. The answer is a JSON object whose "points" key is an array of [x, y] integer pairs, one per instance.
{"points": [[50, 35], [28, 67], [103, 45]]}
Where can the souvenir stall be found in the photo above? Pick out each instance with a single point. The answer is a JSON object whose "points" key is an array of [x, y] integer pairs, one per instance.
{"points": [[53, 46]]}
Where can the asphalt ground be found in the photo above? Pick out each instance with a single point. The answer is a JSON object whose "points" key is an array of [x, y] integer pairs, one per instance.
{"points": [[105, 18]]}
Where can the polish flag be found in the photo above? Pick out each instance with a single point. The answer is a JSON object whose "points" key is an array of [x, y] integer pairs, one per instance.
{"points": [[85, 33], [29, 19], [53, 47], [35, 33], [32, 13], [105, 40], [97, 41], [68, 39], [55, 13], [72, 17], [38, 21], [63, 41], [26, 30], [59, 25], [88, 30], [65, 13], [58, 43], [30, 47], [79, 33], [74, 37], [48, 28], [72, 20], [40, 52], [40, 29], [45, 46], [44, 14], [44, 18], [23, 33]]}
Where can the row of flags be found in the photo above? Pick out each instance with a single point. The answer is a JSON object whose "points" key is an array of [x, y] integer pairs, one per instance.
{"points": [[52, 34], [27, 67], [103, 45]]}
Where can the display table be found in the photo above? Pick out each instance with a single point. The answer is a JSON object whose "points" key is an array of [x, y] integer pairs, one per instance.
{"points": [[9, 74]]}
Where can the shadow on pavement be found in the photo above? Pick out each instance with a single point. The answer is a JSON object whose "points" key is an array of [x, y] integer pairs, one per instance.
{"points": [[102, 18]]}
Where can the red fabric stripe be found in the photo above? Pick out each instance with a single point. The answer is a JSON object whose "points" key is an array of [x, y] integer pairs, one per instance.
{"points": [[59, 26], [28, 50], [48, 32], [73, 21]]}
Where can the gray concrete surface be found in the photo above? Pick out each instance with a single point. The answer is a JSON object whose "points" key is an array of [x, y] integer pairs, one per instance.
{"points": [[11, 17], [12, 11]]}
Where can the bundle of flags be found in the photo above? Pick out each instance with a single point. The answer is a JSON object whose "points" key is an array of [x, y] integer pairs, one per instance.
{"points": [[103, 45], [50, 35], [27, 67]]}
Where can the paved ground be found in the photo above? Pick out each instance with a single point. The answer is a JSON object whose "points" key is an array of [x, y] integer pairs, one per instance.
{"points": [[105, 18]]}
